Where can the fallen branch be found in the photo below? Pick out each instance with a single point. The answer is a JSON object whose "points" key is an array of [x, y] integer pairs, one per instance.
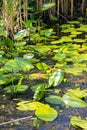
{"points": [[19, 119]]}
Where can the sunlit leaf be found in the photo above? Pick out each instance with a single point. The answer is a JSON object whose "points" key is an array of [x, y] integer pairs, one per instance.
{"points": [[78, 122], [79, 40], [39, 92], [79, 93], [15, 88], [42, 66], [18, 64], [28, 56], [54, 99], [27, 105], [21, 34], [42, 111], [46, 113], [73, 101], [47, 32], [56, 78]]}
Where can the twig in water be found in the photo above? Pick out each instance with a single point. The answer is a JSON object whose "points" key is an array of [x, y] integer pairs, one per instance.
{"points": [[19, 119]]}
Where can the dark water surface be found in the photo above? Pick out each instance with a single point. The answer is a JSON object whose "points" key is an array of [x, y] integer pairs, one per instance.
{"points": [[62, 122]]}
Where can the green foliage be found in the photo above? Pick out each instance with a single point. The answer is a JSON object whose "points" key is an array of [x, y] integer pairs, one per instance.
{"points": [[12, 89], [42, 111], [42, 66], [55, 78], [39, 92], [18, 64], [73, 101], [53, 99], [78, 122]]}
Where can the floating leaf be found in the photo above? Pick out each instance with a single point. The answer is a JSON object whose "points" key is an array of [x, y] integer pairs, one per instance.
{"points": [[54, 99], [27, 105], [18, 64], [79, 40], [42, 66], [56, 78], [42, 111], [28, 56], [46, 113], [78, 122], [73, 101], [79, 93], [47, 32]]}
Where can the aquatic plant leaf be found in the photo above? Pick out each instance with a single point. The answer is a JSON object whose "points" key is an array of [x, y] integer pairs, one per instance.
{"points": [[54, 99], [47, 6], [73, 101], [55, 78], [28, 56], [59, 57], [39, 92], [79, 40], [29, 105], [42, 66], [15, 88], [18, 64], [79, 93], [21, 34], [78, 122], [42, 111], [46, 113], [38, 76], [82, 28], [47, 32]]}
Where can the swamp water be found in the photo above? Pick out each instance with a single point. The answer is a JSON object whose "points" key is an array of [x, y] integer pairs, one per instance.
{"points": [[68, 53]]}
